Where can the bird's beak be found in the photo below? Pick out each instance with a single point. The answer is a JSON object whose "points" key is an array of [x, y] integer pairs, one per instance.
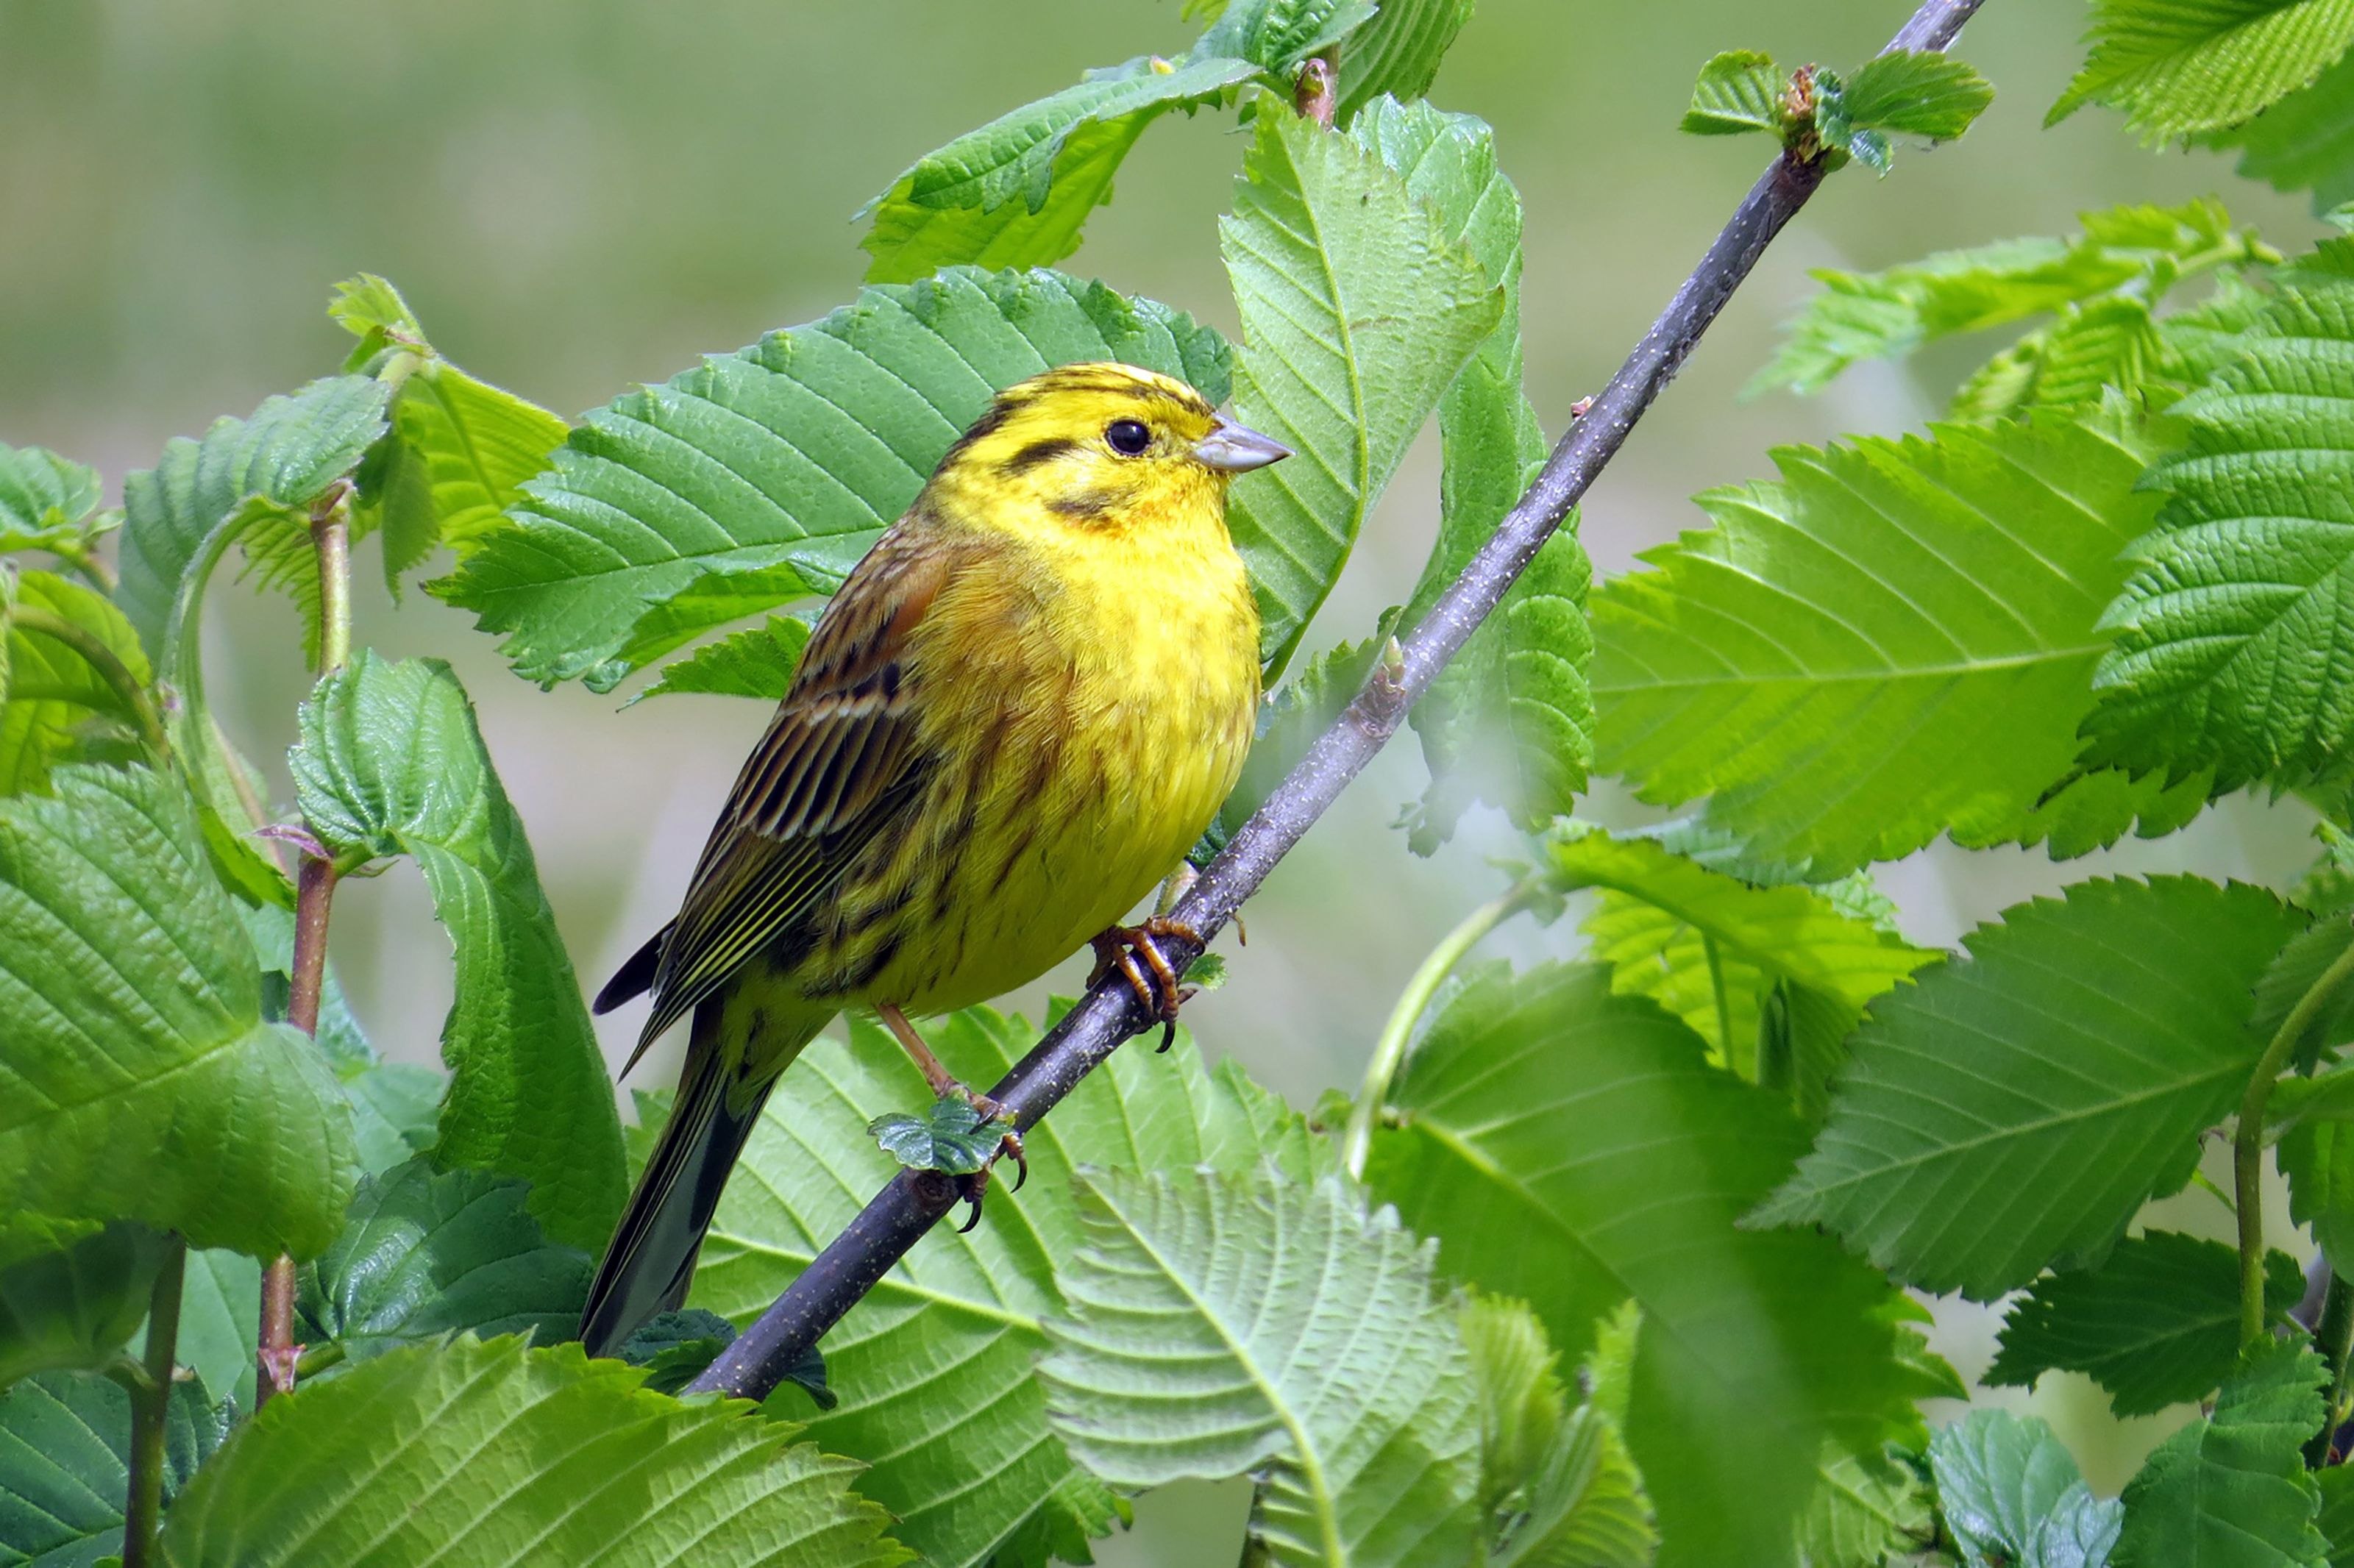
{"points": [[1230, 449]]}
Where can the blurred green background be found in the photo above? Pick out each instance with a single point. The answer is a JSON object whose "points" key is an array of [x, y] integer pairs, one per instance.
{"points": [[583, 194]]}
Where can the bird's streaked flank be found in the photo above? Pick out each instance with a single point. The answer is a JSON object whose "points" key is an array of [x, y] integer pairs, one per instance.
{"points": [[1014, 718]]}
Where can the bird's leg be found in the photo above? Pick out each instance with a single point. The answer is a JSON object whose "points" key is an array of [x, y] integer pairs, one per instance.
{"points": [[943, 1082], [1119, 947], [945, 1086]]}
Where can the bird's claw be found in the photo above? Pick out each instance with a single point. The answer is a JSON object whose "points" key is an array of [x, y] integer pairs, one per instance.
{"points": [[973, 1187], [1119, 947]]}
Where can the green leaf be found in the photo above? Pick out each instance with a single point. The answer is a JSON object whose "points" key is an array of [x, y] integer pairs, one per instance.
{"points": [[55, 707], [2317, 1159], [74, 1309], [1359, 306], [371, 309], [2226, 631], [2157, 1324], [1738, 91], [1016, 191], [1518, 1399], [2089, 348], [1871, 149], [1518, 687], [1887, 314], [65, 1464], [1916, 93], [2179, 66], [426, 1253], [406, 1456], [2232, 1491], [458, 451], [41, 491], [2306, 141], [475, 446], [2301, 967], [2337, 1484], [2205, 338], [1572, 1146], [777, 467], [1869, 1506], [391, 762], [2015, 1110], [2338, 1512], [1278, 36], [140, 1080], [396, 1107], [1671, 930], [758, 662], [1557, 1486], [48, 503], [220, 1322], [286, 453], [935, 1367], [1398, 52], [1219, 1325], [950, 1135], [1901, 634], [2012, 1498], [1586, 1506]]}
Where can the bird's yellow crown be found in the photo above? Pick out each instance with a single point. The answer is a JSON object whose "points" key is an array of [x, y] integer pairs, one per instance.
{"points": [[1096, 447]]}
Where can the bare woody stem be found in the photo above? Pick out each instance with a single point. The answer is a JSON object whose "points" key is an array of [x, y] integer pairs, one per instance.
{"points": [[276, 1355], [2248, 1141], [914, 1201], [150, 1404]]}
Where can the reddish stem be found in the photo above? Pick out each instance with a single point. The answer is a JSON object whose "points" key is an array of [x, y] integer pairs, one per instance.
{"points": [[314, 896]]}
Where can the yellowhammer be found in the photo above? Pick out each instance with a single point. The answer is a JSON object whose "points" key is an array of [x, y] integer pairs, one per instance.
{"points": [[1019, 713]]}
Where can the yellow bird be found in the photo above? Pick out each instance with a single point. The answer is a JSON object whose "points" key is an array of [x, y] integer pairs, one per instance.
{"points": [[1020, 710]]}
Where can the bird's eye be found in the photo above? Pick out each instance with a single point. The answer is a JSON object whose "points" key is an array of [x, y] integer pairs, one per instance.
{"points": [[1128, 437]]}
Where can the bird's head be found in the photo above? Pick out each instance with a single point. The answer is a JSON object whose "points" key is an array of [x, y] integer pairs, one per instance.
{"points": [[1098, 447]]}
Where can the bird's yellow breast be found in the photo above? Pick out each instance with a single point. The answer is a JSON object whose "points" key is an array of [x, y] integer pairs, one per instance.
{"points": [[1088, 699]]}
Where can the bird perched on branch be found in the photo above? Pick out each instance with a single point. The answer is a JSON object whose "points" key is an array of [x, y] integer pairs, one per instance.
{"points": [[1018, 713]]}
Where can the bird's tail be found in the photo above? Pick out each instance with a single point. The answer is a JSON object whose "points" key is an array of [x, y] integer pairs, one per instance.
{"points": [[650, 1260]]}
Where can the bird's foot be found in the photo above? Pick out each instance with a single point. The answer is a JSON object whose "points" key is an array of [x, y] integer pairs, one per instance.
{"points": [[962, 1136], [1119, 948], [973, 1186]]}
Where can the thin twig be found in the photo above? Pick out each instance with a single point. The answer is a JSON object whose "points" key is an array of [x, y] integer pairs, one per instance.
{"points": [[276, 1355], [915, 1200], [150, 1404], [2248, 1141]]}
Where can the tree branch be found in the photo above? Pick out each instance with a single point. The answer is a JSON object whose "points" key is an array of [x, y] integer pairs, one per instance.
{"points": [[915, 1200]]}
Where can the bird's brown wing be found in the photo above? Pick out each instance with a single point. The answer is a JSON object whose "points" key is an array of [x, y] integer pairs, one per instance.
{"points": [[836, 763]]}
